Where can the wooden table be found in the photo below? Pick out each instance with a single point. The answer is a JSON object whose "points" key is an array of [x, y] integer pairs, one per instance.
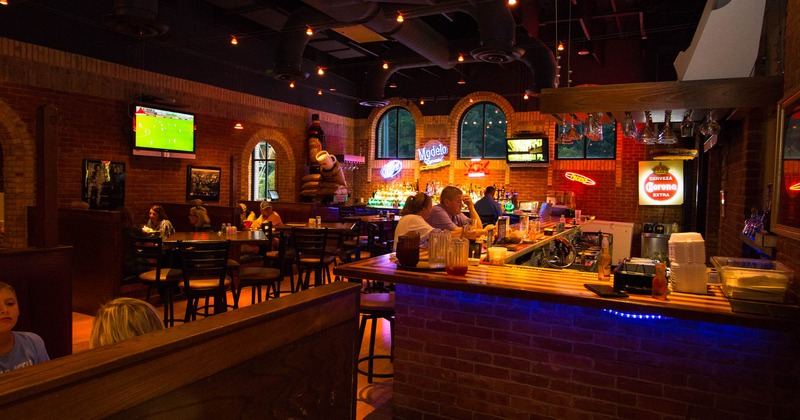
{"points": [[242, 237]]}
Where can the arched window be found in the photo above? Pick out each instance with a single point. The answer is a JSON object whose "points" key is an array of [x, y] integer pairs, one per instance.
{"points": [[482, 132], [264, 173], [396, 137]]}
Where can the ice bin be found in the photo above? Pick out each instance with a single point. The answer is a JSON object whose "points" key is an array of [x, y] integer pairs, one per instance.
{"points": [[753, 279]]}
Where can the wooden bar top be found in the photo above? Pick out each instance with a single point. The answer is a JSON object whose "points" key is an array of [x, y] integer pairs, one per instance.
{"points": [[561, 286]]}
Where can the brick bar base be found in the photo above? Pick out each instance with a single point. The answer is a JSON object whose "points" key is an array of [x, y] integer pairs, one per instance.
{"points": [[469, 356]]}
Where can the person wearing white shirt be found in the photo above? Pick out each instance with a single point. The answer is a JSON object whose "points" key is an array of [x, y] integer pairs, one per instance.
{"points": [[412, 217]]}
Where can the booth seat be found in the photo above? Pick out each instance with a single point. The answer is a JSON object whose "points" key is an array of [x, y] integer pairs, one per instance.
{"points": [[290, 212]]}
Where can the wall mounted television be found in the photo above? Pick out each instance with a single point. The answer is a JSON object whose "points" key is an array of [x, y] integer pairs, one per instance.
{"points": [[528, 149], [162, 132]]}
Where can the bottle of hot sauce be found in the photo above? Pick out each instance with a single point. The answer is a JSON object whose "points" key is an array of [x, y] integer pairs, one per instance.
{"points": [[660, 282], [316, 143]]}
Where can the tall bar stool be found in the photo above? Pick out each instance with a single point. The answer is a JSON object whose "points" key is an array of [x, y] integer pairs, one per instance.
{"points": [[373, 308]]}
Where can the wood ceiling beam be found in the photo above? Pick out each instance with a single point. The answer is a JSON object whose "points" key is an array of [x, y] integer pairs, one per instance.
{"points": [[750, 92]]}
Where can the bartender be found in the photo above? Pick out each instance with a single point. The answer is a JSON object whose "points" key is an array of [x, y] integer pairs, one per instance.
{"points": [[447, 214]]}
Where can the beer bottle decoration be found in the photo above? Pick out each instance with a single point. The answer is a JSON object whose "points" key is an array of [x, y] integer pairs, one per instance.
{"points": [[316, 143]]}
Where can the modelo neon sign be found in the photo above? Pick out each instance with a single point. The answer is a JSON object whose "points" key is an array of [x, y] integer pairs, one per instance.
{"points": [[432, 153], [391, 169], [583, 179]]}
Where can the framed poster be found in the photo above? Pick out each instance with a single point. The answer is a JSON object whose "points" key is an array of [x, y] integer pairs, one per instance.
{"points": [[103, 184], [203, 182]]}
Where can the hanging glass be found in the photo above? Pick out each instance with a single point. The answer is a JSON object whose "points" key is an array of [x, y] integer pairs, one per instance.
{"points": [[629, 130], [666, 136], [687, 125], [646, 134]]}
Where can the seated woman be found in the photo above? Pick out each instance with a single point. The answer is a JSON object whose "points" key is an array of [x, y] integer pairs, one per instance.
{"points": [[412, 217], [17, 349], [198, 217], [121, 319], [159, 221]]}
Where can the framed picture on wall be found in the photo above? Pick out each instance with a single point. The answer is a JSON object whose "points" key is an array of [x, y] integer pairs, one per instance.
{"points": [[103, 184], [203, 182]]}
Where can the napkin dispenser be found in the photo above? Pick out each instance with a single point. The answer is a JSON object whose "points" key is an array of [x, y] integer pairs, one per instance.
{"points": [[635, 275]]}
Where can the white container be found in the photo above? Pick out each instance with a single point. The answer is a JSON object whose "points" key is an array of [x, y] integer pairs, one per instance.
{"points": [[689, 277], [687, 247]]}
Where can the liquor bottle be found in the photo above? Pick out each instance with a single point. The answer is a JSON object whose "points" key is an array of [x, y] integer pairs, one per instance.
{"points": [[660, 282], [604, 262], [316, 143]]}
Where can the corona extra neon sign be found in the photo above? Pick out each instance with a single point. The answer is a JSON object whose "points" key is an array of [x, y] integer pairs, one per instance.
{"points": [[583, 179]]}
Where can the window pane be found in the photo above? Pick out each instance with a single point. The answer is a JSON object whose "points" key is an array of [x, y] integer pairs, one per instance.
{"points": [[606, 149], [482, 132], [396, 135], [264, 171]]}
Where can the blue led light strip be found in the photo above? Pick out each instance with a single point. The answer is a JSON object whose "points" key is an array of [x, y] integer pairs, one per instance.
{"points": [[634, 315]]}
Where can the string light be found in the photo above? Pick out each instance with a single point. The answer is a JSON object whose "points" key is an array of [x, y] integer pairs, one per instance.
{"points": [[422, 102], [525, 97], [4, 2], [234, 41], [319, 92], [291, 85], [320, 71], [238, 126], [309, 31], [460, 57], [560, 46], [400, 17], [462, 81], [385, 65], [512, 2]]}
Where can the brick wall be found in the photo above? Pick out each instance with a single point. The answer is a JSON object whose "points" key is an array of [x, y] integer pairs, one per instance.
{"points": [[462, 355]]}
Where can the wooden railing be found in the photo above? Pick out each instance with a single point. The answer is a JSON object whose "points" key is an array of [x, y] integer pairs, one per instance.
{"points": [[292, 357]]}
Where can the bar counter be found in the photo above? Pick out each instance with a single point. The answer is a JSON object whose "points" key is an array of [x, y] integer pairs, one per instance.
{"points": [[561, 286], [522, 342]]}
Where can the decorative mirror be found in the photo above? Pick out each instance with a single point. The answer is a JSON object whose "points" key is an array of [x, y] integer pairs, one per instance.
{"points": [[786, 206]]}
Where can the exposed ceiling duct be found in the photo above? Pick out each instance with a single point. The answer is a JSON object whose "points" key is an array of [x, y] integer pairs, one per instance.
{"points": [[136, 18], [497, 42]]}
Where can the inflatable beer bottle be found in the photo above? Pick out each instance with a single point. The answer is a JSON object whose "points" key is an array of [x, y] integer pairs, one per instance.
{"points": [[316, 143]]}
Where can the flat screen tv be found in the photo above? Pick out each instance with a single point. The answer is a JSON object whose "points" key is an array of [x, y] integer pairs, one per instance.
{"points": [[162, 132], [527, 150]]}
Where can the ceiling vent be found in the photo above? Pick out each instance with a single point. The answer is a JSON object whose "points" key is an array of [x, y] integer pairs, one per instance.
{"points": [[136, 18], [498, 54], [378, 103], [287, 74]]}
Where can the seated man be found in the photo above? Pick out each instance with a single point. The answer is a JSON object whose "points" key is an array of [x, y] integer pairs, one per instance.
{"points": [[488, 208], [268, 215], [447, 214]]}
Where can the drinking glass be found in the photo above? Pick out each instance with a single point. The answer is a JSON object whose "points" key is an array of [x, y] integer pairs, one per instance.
{"points": [[629, 130], [687, 125], [646, 134], [710, 127], [408, 249], [457, 257], [438, 244], [666, 136]]}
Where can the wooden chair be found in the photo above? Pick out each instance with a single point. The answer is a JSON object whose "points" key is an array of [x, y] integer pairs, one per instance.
{"points": [[205, 275], [271, 258], [269, 277], [352, 242], [380, 238], [310, 254], [148, 254]]}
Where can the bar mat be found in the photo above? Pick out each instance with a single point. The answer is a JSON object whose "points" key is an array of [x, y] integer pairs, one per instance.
{"points": [[758, 308]]}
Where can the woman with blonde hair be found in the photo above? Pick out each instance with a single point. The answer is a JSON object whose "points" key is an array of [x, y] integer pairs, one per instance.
{"points": [[121, 319], [198, 217]]}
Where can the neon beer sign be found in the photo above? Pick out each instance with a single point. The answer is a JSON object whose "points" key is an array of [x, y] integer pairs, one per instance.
{"points": [[391, 169], [583, 179], [432, 153]]}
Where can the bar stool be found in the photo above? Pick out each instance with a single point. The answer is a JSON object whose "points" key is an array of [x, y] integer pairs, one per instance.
{"points": [[373, 307]]}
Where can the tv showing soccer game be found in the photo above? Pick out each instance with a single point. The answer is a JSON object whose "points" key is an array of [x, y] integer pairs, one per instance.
{"points": [[527, 150], [159, 131]]}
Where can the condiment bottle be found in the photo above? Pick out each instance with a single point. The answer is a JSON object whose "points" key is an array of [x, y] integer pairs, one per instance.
{"points": [[604, 262], [660, 282]]}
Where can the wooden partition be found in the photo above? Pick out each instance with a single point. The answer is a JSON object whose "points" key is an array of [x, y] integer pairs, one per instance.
{"points": [[292, 357], [100, 253], [41, 278], [290, 212], [178, 214]]}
